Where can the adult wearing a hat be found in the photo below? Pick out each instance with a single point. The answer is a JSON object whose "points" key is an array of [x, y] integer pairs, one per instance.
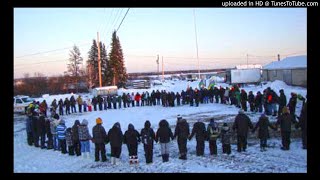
{"points": [[282, 101], [241, 125], [99, 137], [292, 104], [115, 137], [285, 121], [183, 132]]}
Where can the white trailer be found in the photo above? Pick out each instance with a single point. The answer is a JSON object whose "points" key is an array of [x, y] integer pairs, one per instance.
{"points": [[103, 91], [242, 76]]}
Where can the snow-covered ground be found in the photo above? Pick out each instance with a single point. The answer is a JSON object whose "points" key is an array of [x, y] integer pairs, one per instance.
{"points": [[31, 159]]}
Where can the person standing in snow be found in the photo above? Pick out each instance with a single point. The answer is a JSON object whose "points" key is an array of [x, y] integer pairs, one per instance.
{"points": [[199, 129], [282, 101], [183, 132], [73, 104], [84, 137], [53, 127], [163, 136], [61, 134], [292, 105], [263, 133], [251, 101], [242, 124], [60, 103], [115, 137], [285, 121], [41, 123], [226, 139], [303, 125], [148, 137], [99, 137], [67, 104], [69, 141], [80, 102], [75, 137], [132, 138], [258, 102], [213, 133], [48, 132], [29, 124]]}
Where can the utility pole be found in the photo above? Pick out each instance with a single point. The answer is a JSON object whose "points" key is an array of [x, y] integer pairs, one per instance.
{"points": [[195, 30], [158, 65], [162, 70], [247, 61], [99, 60]]}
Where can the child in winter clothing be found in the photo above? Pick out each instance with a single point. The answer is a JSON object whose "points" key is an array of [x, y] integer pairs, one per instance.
{"points": [[225, 139], [132, 138], [115, 137], [148, 138], [163, 135], [69, 141], [213, 133], [61, 134], [84, 137]]}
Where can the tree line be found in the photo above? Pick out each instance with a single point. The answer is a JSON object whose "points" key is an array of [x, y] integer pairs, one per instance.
{"points": [[113, 72]]}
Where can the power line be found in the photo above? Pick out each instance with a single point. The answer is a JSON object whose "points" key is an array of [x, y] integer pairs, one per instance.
{"points": [[123, 19], [43, 52]]}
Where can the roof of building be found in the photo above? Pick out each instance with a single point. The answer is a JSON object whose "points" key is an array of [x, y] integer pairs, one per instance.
{"points": [[292, 62]]}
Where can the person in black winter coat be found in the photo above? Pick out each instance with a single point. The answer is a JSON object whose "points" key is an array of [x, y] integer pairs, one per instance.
{"points": [[132, 138], [42, 129], [242, 124], [258, 102], [285, 121], [292, 105], [148, 137], [183, 132], [75, 137], [49, 134], [29, 125], [251, 101], [163, 136], [303, 125], [99, 138], [282, 101], [35, 129], [263, 133], [213, 133], [199, 129], [243, 99], [115, 137]]}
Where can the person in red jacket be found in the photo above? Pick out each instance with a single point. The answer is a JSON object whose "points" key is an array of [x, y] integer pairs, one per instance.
{"points": [[137, 98]]}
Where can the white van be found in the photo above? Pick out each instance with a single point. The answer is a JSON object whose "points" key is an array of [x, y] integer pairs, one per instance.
{"points": [[20, 103]]}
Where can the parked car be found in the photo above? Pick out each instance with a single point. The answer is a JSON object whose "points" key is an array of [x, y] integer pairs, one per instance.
{"points": [[20, 103]]}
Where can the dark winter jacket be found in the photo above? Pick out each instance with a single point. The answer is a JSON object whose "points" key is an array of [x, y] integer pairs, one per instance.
{"points": [[285, 121], [282, 100], [115, 136], [303, 118], [41, 123], [131, 136], [199, 129], [241, 124], [164, 132], [99, 134], [69, 137], [263, 125], [147, 134], [292, 104], [75, 131], [182, 130]]}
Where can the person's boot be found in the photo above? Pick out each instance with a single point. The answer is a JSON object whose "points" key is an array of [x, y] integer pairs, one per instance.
{"points": [[167, 157], [163, 158]]}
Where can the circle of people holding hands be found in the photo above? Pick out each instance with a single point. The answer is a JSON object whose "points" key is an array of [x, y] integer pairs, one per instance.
{"points": [[52, 133]]}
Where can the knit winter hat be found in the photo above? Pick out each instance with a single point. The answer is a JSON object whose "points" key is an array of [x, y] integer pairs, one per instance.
{"points": [[84, 122], [99, 120], [285, 110], [241, 111], [179, 117]]}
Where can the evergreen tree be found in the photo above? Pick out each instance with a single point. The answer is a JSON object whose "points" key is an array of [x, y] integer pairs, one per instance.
{"points": [[75, 60], [92, 65], [116, 66]]}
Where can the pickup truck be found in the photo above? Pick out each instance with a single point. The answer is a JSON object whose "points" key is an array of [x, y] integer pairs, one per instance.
{"points": [[20, 103]]}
